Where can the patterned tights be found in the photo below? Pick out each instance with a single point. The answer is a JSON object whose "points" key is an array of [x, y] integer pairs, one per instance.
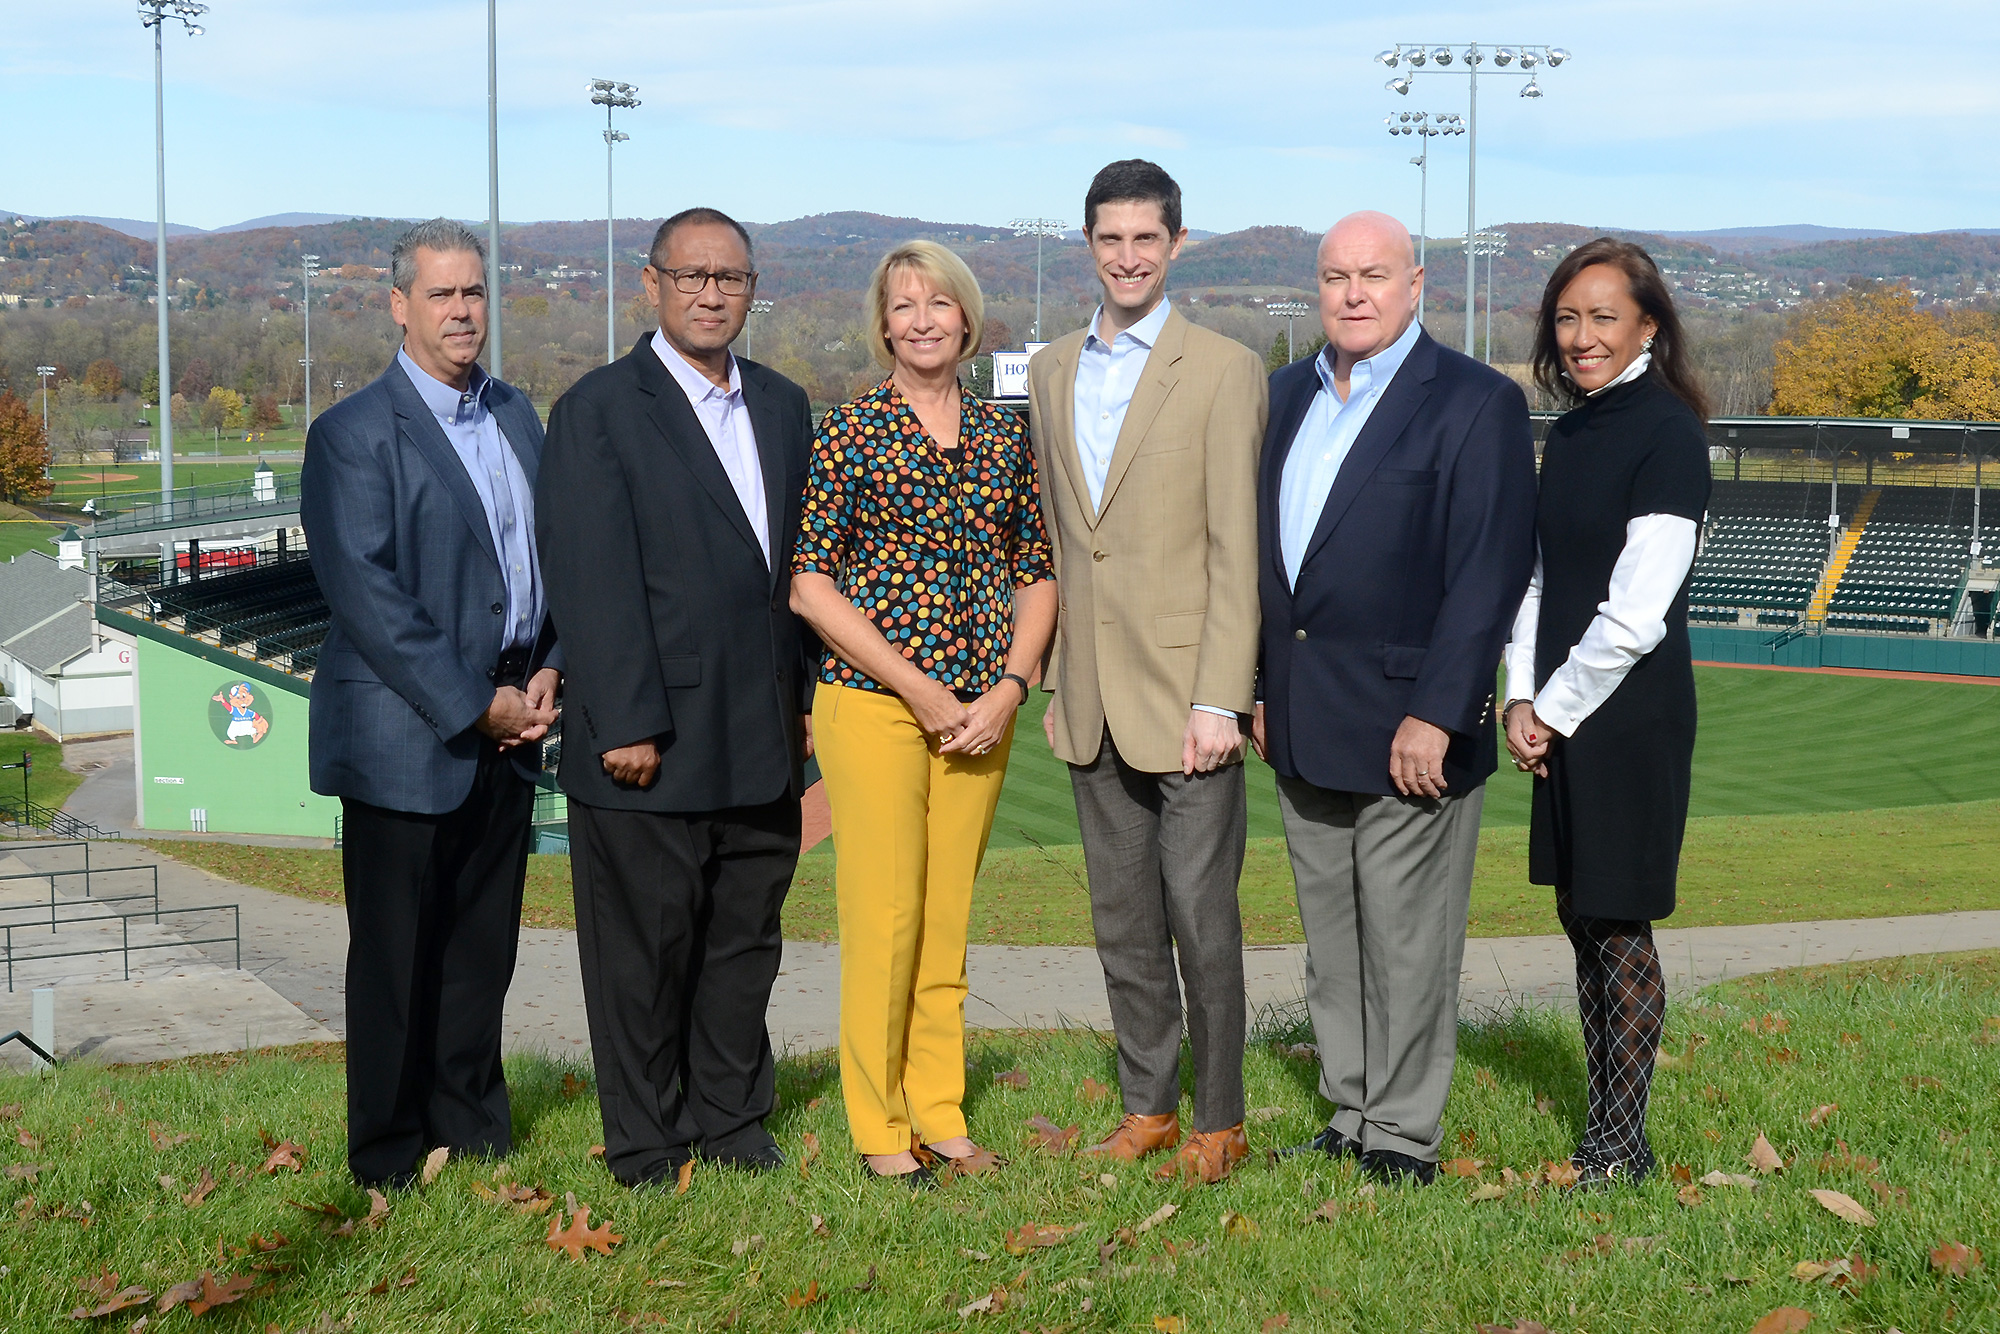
{"points": [[1623, 1000]]}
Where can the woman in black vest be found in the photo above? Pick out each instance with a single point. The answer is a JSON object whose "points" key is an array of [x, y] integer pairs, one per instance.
{"points": [[1601, 701]]}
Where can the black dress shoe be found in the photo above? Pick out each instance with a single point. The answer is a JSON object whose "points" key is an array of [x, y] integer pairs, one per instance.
{"points": [[1329, 1142], [922, 1177], [1391, 1168], [768, 1158]]}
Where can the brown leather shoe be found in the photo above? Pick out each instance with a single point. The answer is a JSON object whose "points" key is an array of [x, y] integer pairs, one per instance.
{"points": [[1208, 1156], [1136, 1136]]}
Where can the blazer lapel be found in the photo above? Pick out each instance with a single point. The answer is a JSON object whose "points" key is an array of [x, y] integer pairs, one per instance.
{"points": [[1062, 410], [674, 416], [1285, 422], [1161, 375], [769, 429], [421, 428], [522, 430], [1406, 394]]}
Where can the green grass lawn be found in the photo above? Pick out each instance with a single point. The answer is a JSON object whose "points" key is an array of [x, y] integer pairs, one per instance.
{"points": [[1877, 1083], [49, 784], [76, 483]]}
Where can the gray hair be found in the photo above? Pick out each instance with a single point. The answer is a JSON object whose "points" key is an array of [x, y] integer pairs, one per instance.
{"points": [[441, 234]]}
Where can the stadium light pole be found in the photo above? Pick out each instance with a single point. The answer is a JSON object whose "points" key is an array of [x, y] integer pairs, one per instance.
{"points": [[610, 94], [45, 372], [1486, 245], [758, 306], [1428, 126], [1417, 56], [309, 265], [1037, 228], [492, 190], [1289, 309], [155, 14]]}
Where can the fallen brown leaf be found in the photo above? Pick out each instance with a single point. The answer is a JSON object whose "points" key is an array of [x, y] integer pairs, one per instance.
{"points": [[31, 1143], [1518, 1327], [1237, 1225], [1013, 1079], [1681, 1174], [1092, 1091], [993, 1303], [594, 1151], [106, 1297], [434, 1162], [1485, 1079], [203, 1188], [1784, 1320], [1889, 1194], [10, 1112], [1924, 1082], [819, 1227], [1719, 1178], [1029, 1236], [1282, 1320], [1955, 1259], [520, 1198], [1844, 1206], [573, 1084], [164, 1138], [1689, 1196], [409, 1277], [25, 1171], [1492, 1190], [1560, 1175], [178, 1294], [1763, 1157], [1544, 1104], [808, 1155], [580, 1236], [742, 1246], [1462, 1167], [1157, 1217], [797, 1299], [684, 1178], [286, 1156], [866, 1284], [1049, 1137], [1821, 1114], [1167, 1324]]}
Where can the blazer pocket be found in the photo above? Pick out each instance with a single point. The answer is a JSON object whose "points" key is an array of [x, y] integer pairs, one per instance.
{"points": [[1403, 660], [1404, 477], [680, 671], [1179, 629]]}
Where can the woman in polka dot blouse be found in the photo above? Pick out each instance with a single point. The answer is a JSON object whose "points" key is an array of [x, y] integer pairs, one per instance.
{"points": [[923, 564]]}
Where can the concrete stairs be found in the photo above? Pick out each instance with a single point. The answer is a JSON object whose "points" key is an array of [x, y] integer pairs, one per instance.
{"points": [[1850, 538]]}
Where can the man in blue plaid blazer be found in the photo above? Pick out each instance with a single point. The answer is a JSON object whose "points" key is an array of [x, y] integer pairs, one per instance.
{"points": [[435, 686]]}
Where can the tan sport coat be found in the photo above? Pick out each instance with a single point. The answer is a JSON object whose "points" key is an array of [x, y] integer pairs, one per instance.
{"points": [[1159, 585]]}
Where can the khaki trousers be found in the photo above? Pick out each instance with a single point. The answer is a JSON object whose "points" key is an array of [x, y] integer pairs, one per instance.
{"points": [[909, 831]]}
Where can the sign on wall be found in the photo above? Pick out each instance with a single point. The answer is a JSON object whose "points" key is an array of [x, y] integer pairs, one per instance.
{"points": [[239, 713]]}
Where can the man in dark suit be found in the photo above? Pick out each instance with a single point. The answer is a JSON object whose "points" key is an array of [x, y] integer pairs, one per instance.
{"points": [[1396, 512], [437, 678], [669, 507]]}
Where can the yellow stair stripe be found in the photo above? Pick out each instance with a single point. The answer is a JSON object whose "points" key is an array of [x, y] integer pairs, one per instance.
{"points": [[1850, 538]]}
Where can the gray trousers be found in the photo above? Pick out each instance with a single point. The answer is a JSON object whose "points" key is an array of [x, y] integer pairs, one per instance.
{"points": [[1164, 853], [1384, 884]]}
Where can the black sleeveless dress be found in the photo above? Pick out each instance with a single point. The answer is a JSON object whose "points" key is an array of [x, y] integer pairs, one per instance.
{"points": [[1608, 820]]}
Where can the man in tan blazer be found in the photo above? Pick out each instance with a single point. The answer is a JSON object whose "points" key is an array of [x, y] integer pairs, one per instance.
{"points": [[1147, 430]]}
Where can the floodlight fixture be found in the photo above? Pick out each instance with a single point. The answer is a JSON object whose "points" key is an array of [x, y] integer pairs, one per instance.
{"points": [[1503, 56], [1388, 58], [1398, 85], [1531, 89], [1417, 57], [1290, 309], [1529, 60], [1038, 228], [45, 372], [1556, 56], [610, 94], [1442, 55], [309, 265], [758, 306]]}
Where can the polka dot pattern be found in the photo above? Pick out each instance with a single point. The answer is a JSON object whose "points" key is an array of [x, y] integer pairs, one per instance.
{"points": [[931, 544]]}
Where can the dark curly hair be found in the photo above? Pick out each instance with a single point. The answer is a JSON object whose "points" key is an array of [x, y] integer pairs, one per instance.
{"points": [[1649, 290]]}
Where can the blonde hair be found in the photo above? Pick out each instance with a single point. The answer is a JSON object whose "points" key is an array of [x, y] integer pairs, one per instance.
{"points": [[947, 272]]}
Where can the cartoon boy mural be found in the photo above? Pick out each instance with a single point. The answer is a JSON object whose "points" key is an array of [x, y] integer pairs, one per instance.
{"points": [[244, 720]]}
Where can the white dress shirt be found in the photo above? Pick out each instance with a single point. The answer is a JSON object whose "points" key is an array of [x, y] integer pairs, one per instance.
{"points": [[504, 493], [1106, 376], [1325, 436], [726, 419]]}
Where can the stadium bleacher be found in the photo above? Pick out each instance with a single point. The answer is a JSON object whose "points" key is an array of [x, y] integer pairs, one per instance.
{"points": [[1763, 553], [274, 608], [1906, 575]]}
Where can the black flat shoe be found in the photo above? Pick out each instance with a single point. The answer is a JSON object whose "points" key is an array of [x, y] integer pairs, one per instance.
{"points": [[921, 1177], [1392, 1168], [1329, 1142]]}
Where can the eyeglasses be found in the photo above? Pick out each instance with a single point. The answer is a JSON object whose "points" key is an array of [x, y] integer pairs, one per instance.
{"points": [[729, 282]]}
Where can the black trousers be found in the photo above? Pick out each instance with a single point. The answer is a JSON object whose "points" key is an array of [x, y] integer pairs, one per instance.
{"points": [[433, 916], [677, 929]]}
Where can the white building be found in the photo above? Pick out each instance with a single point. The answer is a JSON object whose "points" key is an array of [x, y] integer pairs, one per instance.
{"points": [[52, 663]]}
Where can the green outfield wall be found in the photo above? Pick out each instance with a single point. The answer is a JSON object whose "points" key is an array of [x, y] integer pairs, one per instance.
{"points": [[220, 740], [1882, 653]]}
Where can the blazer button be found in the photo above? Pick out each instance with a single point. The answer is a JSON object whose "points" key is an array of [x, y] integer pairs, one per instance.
{"points": [[1298, 634], [1097, 555], [497, 609]]}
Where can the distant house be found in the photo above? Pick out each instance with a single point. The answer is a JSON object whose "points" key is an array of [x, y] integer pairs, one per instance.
{"points": [[52, 663]]}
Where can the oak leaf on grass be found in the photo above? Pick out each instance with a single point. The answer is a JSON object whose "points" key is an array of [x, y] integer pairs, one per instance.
{"points": [[106, 1297], [580, 1236], [1030, 1236], [1763, 1158], [286, 1156], [1784, 1320], [1955, 1259], [798, 1299], [1013, 1079], [1049, 1137]]}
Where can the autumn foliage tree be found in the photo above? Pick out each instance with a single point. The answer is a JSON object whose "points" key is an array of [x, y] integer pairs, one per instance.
{"points": [[103, 378], [1870, 352], [264, 414], [24, 450]]}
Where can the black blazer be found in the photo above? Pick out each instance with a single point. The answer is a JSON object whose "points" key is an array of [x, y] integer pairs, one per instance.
{"points": [[674, 626], [405, 560], [1412, 579]]}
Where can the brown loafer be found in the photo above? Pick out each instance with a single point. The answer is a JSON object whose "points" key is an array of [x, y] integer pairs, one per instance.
{"points": [[1136, 1136], [1208, 1156]]}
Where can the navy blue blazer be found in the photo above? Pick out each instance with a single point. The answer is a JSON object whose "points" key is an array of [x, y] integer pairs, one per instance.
{"points": [[405, 559], [1410, 585]]}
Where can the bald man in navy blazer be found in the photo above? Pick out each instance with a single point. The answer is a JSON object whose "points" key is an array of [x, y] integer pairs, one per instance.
{"points": [[1396, 508]]}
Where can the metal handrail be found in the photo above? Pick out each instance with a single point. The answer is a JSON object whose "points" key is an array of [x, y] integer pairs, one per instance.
{"points": [[126, 946], [34, 815], [192, 504]]}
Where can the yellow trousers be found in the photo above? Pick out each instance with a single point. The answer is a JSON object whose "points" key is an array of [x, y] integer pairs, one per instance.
{"points": [[909, 831]]}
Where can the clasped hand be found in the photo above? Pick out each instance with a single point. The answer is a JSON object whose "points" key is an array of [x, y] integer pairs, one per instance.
{"points": [[1528, 738], [517, 717], [966, 729]]}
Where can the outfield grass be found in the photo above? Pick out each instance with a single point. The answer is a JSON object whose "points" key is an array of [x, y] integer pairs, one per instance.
{"points": [[76, 483], [1876, 1083], [21, 531]]}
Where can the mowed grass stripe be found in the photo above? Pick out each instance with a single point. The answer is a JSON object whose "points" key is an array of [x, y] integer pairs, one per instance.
{"points": [[1769, 743]]}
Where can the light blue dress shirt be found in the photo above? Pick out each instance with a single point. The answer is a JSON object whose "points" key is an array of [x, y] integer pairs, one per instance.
{"points": [[1106, 375], [503, 490], [1324, 439]]}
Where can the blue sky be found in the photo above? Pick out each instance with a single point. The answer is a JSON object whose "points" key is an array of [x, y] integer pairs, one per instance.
{"points": [[1692, 114]]}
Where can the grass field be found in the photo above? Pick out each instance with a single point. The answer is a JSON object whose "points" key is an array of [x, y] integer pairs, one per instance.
{"points": [[1874, 1082], [49, 784], [21, 531]]}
